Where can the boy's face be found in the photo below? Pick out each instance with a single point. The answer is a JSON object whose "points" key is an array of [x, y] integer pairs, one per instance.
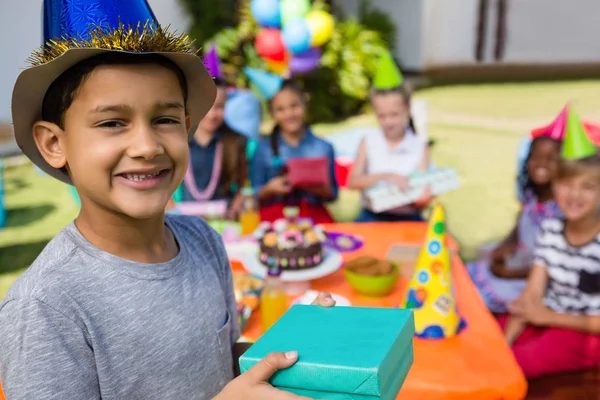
{"points": [[125, 139], [578, 196], [392, 114]]}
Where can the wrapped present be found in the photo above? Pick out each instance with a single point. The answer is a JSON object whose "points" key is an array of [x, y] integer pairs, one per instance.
{"points": [[308, 171], [344, 353], [385, 197]]}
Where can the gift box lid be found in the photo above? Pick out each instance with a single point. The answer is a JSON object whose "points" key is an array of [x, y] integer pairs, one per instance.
{"points": [[354, 350]]}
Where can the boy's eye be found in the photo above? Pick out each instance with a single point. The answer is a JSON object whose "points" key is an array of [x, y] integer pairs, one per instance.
{"points": [[111, 124], [166, 121]]}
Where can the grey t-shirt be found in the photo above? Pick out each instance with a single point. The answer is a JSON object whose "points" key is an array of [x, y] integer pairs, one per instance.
{"points": [[83, 324]]}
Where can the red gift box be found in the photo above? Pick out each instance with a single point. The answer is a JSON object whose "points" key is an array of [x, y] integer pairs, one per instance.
{"points": [[308, 171]]}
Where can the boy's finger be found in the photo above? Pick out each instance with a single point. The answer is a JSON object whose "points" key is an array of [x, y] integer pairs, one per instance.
{"points": [[324, 299], [265, 368]]}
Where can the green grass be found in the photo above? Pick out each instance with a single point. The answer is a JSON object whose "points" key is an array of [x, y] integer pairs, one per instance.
{"points": [[484, 153]]}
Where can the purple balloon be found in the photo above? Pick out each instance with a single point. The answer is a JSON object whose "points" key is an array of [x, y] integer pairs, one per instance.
{"points": [[306, 61]]}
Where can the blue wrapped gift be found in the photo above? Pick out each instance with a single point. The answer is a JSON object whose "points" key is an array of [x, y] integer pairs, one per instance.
{"points": [[344, 353]]}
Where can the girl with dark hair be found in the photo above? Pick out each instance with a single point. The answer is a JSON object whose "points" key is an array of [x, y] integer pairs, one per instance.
{"points": [[501, 274], [218, 168], [291, 138]]}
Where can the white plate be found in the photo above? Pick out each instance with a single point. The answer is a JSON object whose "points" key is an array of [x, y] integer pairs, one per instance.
{"points": [[311, 295], [332, 261]]}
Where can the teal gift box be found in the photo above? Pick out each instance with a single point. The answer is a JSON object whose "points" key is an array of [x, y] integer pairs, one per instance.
{"points": [[344, 353]]}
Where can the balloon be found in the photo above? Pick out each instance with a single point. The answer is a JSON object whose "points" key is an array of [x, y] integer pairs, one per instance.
{"points": [[269, 45], [293, 9], [306, 61], [277, 67], [266, 12], [321, 25], [296, 36]]}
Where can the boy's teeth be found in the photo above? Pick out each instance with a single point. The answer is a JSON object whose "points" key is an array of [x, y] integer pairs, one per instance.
{"points": [[135, 177]]}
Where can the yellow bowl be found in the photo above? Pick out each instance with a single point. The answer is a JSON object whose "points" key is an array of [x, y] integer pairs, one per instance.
{"points": [[373, 286]]}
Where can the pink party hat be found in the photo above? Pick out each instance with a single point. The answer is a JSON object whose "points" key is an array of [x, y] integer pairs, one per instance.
{"points": [[556, 129], [212, 62]]}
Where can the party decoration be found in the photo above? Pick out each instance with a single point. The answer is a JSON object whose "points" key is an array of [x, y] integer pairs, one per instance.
{"points": [[293, 9], [321, 26], [269, 45], [387, 76], [556, 129], [296, 36], [62, 18], [212, 62], [267, 84], [243, 112], [430, 292], [266, 12], [577, 144], [306, 61], [278, 67]]}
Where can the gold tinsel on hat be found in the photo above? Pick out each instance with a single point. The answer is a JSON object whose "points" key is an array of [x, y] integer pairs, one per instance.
{"points": [[139, 39]]}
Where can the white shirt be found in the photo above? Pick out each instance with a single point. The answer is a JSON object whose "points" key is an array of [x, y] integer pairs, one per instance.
{"points": [[403, 159]]}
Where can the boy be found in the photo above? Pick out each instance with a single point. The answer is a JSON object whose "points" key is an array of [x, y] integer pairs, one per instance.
{"points": [[124, 303], [554, 325]]}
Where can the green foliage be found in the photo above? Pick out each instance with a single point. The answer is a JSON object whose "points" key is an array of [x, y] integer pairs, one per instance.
{"points": [[337, 89], [377, 20], [208, 18]]}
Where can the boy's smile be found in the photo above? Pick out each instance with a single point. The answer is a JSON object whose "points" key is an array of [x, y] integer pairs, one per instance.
{"points": [[125, 139]]}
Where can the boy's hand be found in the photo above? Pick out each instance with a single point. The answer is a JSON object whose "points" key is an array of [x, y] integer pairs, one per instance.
{"points": [[254, 383], [324, 299]]}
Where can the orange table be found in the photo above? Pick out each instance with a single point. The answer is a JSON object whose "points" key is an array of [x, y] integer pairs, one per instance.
{"points": [[476, 365]]}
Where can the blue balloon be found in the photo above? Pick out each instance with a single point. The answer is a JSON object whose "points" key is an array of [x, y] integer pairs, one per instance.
{"points": [[75, 18], [266, 12], [296, 36]]}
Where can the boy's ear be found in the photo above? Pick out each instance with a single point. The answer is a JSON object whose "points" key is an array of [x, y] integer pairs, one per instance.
{"points": [[46, 136], [188, 123]]}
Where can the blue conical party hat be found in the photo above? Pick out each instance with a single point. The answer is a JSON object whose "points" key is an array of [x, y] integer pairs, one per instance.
{"points": [[267, 84], [75, 18]]}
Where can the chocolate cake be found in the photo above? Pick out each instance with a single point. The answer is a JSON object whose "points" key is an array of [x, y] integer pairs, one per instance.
{"points": [[291, 246]]}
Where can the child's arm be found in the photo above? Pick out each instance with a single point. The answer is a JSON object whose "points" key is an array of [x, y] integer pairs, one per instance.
{"points": [[359, 179], [499, 269], [513, 329]]}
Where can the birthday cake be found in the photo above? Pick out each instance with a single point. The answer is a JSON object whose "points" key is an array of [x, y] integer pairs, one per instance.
{"points": [[290, 244]]}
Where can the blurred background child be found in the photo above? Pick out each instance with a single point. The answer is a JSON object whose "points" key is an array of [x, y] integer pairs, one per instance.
{"points": [[554, 326], [291, 138], [501, 275], [393, 153], [218, 166]]}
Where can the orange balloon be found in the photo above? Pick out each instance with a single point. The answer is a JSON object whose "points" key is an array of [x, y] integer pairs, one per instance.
{"points": [[277, 67]]}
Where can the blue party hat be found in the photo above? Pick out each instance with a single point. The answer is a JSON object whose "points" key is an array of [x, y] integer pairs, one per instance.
{"points": [[243, 112], [267, 84], [75, 18]]}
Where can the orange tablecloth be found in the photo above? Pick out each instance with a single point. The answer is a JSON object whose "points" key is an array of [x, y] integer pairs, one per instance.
{"points": [[476, 365]]}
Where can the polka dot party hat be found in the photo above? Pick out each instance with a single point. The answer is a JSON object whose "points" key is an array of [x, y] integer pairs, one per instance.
{"points": [[430, 293]]}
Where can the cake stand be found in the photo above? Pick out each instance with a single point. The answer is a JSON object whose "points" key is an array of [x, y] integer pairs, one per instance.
{"points": [[297, 282]]}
